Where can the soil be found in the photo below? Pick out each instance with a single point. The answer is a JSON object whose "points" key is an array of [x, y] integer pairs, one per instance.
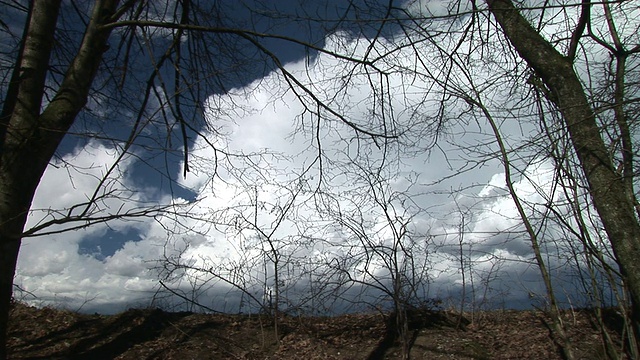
{"points": [[155, 334]]}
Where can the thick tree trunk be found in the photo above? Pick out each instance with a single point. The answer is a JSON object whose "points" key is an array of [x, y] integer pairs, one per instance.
{"points": [[19, 118], [607, 187], [8, 256], [29, 137]]}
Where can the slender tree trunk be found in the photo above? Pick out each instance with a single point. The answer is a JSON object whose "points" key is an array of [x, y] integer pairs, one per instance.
{"points": [[557, 326], [30, 136], [610, 195]]}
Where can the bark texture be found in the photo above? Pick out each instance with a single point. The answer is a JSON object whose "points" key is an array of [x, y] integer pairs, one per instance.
{"points": [[29, 135], [611, 198]]}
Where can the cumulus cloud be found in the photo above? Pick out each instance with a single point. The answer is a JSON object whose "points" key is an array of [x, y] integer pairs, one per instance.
{"points": [[429, 8], [53, 267], [263, 122]]}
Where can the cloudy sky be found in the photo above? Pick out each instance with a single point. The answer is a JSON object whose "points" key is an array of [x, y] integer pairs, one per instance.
{"points": [[451, 198]]}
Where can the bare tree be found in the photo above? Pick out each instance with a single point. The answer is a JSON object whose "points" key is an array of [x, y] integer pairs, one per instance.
{"points": [[388, 253], [458, 60], [595, 97], [612, 189], [589, 251], [152, 65]]}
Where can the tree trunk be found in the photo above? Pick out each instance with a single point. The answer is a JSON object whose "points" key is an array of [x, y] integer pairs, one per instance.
{"points": [[29, 137], [19, 116], [611, 197], [8, 256]]}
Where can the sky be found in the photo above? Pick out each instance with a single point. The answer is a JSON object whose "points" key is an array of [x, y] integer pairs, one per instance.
{"points": [[457, 211]]}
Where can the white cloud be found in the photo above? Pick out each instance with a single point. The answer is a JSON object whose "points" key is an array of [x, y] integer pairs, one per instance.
{"points": [[263, 116], [52, 266], [57, 256], [94, 171], [428, 8]]}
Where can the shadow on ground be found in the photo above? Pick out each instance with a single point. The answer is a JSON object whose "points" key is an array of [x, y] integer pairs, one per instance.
{"points": [[155, 334]]}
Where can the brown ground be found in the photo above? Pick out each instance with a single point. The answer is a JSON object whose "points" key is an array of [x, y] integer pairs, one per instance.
{"points": [[154, 334]]}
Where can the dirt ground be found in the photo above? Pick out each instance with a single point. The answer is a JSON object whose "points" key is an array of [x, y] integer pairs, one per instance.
{"points": [[154, 334]]}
